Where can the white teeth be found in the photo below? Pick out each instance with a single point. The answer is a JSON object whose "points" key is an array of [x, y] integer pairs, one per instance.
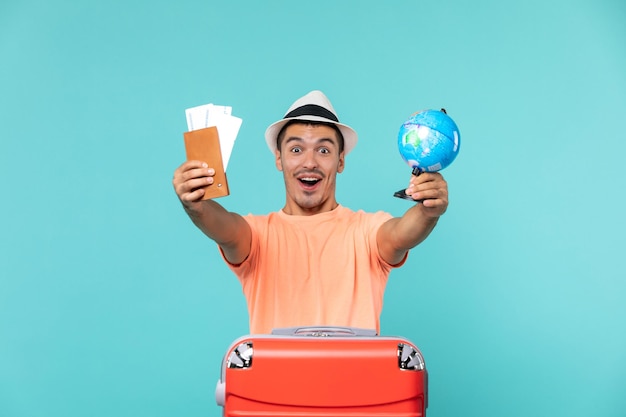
{"points": [[308, 179]]}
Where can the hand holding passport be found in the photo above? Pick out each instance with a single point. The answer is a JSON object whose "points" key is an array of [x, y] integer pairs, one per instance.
{"points": [[211, 138]]}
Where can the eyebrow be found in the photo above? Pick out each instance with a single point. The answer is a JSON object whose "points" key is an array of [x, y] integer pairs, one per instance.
{"points": [[319, 141]]}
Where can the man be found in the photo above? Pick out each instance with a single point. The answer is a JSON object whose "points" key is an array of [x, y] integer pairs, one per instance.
{"points": [[314, 262]]}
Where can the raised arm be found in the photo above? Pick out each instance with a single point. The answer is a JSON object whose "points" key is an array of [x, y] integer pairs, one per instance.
{"points": [[400, 234], [229, 230]]}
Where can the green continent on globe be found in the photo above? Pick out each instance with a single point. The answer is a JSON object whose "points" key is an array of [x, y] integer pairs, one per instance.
{"points": [[412, 138]]}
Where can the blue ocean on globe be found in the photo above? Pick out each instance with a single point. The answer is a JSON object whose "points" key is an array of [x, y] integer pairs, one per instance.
{"points": [[429, 140]]}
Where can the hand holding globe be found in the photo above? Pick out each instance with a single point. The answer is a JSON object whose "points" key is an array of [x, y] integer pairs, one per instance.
{"points": [[428, 141]]}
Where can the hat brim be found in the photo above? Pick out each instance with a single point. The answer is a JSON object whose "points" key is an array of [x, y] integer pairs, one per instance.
{"points": [[349, 135]]}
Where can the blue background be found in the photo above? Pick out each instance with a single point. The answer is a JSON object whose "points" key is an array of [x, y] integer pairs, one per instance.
{"points": [[112, 303]]}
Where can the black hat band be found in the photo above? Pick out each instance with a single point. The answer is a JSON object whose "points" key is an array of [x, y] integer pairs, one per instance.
{"points": [[312, 110]]}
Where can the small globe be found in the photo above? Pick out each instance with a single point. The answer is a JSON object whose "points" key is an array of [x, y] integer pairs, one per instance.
{"points": [[429, 140]]}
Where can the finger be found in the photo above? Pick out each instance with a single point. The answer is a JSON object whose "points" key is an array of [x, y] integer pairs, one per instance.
{"points": [[429, 190], [187, 165], [433, 189], [431, 183], [192, 185], [194, 163], [197, 173], [435, 207], [425, 178], [193, 196], [181, 176], [429, 194]]}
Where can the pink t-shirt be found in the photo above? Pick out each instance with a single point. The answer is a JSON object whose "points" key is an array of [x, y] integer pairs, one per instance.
{"points": [[321, 270]]}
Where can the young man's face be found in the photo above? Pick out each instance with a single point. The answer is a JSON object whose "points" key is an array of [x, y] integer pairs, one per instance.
{"points": [[310, 159]]}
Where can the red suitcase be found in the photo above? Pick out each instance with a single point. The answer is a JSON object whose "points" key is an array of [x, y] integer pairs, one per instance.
{"points": [[322, 372]]}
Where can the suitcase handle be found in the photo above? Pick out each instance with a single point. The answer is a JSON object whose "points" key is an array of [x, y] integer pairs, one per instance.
{"points": [[324, 331]]}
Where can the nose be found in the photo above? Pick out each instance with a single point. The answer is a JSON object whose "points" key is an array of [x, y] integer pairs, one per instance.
{"points": [[310, 159]]}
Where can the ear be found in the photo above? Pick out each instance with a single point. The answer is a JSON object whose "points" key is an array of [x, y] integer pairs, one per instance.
{"points": [[342, 163], [279, 163]]}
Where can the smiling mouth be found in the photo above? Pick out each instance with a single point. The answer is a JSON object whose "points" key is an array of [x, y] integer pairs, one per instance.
{"points": [[309, 181]]}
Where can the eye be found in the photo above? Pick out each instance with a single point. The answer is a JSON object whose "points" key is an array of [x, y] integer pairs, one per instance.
{"points": [[324, 150], [295, 149]]}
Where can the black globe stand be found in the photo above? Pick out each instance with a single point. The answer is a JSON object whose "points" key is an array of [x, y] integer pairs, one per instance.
{"points": [[401, 194]]}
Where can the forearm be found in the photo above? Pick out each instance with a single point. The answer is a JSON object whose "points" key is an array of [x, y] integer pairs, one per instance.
{"points": [[404, 233], [412, 228], [400, 234], [216, 222], [229, 230]]}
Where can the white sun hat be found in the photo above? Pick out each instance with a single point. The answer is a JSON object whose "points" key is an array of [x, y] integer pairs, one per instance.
{"points": [[315, 107]]}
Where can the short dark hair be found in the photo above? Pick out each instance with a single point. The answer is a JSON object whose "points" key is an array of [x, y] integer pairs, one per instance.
{"points": [[281, 134]]}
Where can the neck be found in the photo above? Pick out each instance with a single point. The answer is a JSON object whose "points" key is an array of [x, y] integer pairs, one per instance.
{"points": [[296, 210]]}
